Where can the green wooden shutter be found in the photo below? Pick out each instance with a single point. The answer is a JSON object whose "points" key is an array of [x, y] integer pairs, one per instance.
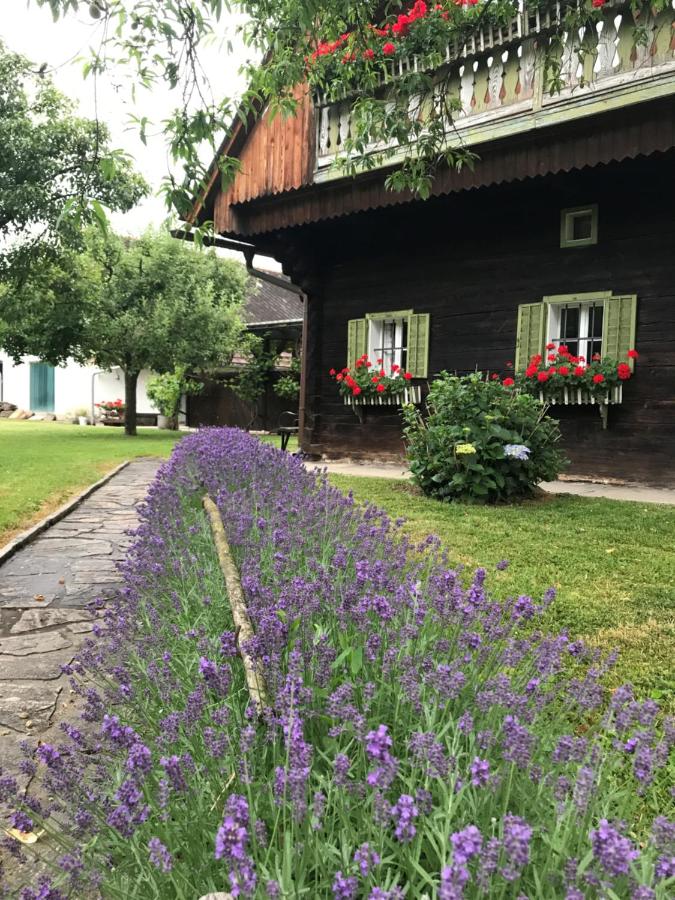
{"points": [[418, 345], [530, 336], [41, 387], [618, 329], [357, 340]]}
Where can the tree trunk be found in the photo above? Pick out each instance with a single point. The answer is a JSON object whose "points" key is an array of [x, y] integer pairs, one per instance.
{"points": [[130, 381]]}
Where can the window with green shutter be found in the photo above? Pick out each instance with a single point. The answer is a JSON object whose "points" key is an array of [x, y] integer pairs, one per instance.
{"points": [[588, 324], [41, 387], [399, 338]]}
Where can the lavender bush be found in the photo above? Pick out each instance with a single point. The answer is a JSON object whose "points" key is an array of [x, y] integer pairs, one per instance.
{"points": [[425, 739]]}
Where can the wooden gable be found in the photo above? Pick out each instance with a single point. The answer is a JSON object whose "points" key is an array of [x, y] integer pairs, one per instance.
{"points": [[276, 155]]}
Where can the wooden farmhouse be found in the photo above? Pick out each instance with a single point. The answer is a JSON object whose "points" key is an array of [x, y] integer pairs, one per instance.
{"points": [[564, 230]]}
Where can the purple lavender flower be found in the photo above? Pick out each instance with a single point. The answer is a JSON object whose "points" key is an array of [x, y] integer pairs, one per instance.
{"points": [[466, 844], [344, 887], [378, 743], [366, 859], [21, 821], [404, 812], [612, 850], [516, 842], [480, 772], [159, 855]]}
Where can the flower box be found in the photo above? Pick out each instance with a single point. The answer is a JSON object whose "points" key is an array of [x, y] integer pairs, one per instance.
{"points": [[575, 396], [410, 394]]}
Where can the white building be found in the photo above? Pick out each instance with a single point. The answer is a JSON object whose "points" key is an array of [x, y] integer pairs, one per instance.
{"points": [[64, 390]]}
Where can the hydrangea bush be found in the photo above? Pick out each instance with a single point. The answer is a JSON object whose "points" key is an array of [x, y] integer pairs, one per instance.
{"points": [[425, 737], [481, 441]]}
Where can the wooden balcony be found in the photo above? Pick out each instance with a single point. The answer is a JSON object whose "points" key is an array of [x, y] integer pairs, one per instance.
{"points": [[498, 77]]}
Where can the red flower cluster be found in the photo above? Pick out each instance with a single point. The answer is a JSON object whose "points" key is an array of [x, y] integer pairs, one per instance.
{"points": [[561, 366], [391, 31], [115, 407], [370, 379]]}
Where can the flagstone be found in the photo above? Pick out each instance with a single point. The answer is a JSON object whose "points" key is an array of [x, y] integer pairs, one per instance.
{"points": [[34, 619]]}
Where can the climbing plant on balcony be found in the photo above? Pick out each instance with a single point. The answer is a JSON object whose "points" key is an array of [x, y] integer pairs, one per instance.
{"points": [[356, 41]]}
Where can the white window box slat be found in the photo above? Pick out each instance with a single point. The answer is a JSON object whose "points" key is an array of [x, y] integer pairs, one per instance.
{"points": [[410, 394], [578, 396]]}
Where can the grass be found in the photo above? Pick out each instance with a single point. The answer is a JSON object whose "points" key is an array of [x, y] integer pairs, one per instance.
{"points": [[612, 562], [43, 464]]}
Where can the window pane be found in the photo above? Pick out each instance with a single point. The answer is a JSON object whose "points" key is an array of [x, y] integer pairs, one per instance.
{"points": [[570, 322], [582, 226], [595, 323]]}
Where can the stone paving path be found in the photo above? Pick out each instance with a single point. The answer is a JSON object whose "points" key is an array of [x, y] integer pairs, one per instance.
{"points": [[44, 591]]}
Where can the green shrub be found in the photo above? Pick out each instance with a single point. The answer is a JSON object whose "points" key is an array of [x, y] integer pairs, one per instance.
{"points": [[481, 441]]}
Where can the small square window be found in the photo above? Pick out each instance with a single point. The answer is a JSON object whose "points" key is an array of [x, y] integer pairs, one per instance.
{"points": [[579, 226]]}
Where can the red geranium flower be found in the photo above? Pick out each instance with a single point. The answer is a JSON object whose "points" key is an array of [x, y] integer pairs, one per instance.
{"points": [[375, 379], [494, 376], [563, 349], [579, 371], [332, 372], [407, 376], [550, 346], [508, 382], [395, 368], [623, 371], [632, 354], [339, 377], [551, 357], [388, 49], [369, 53], [356, 390], [598, 378], [542, 376], [380, 389], [509, 365], [531, 371], [563, 370]]}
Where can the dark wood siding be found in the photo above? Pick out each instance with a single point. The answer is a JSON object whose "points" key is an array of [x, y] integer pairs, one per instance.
{"points": [[611, 137], [470, 260]]}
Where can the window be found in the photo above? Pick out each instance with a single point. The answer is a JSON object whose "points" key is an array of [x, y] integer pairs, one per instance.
{"points": [[388, 341], [578, 326], [579, 226], [399, 338], [598, 322]]}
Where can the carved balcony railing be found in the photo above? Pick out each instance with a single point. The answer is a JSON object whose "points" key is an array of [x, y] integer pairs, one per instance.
{"points": [[498, 76]]}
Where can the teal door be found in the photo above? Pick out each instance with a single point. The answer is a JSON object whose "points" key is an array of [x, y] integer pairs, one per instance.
{"points": [[41, 387]]}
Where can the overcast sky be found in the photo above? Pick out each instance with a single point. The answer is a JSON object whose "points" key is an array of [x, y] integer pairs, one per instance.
{"points": [[30, 30]]}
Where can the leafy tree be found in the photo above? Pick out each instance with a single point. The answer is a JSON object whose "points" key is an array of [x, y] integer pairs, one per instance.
{"points": [[250, 381], [57, 170], [166, 391], [151, 303], [162, 41]]}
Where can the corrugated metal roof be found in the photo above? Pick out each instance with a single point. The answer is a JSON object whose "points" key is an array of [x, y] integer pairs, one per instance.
{"points": [[267, 304]]}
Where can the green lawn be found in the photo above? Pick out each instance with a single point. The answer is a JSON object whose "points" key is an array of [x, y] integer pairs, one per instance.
{"points": [[613, 563], [42, 464]]}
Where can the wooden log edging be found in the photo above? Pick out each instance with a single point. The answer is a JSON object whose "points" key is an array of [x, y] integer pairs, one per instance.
{"points": [[255, 679]]}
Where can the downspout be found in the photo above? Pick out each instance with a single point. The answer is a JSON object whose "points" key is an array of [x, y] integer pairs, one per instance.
{"points": [[93, 406], [269, 277]]}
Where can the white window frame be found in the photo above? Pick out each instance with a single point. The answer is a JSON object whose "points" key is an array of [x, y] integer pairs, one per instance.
{"points": [[376, 325], [585, 302]]}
